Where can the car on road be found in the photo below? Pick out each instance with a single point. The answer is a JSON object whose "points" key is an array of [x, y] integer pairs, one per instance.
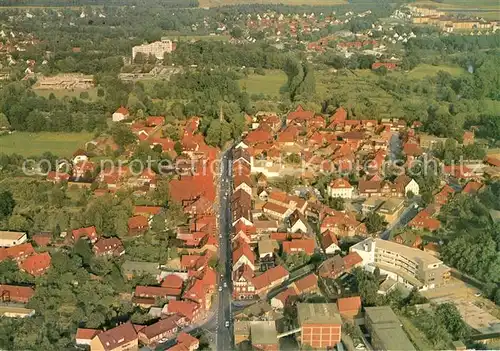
{"points": [[225, 284], [227, 324], [220, 288]]}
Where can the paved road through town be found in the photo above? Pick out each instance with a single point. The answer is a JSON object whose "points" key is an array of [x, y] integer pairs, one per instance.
{"points": [[224, 331]]}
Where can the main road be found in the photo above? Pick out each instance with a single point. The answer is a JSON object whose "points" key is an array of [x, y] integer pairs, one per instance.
{"points": [[224, 320]]}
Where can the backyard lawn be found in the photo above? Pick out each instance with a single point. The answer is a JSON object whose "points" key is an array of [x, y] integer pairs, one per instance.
{"points": [[424, 70], [32, 144]]}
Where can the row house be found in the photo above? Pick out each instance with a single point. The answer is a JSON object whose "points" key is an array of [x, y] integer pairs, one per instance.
{"points": [[243, 255], [163, 329], [342, 224], [329, 242], [247, 286], [157, 292], [305, 285], [276, 211], [190, 310], [337, 265], [368, 188], [289, 201], [306, 246], [241, 206], [200, 287]]}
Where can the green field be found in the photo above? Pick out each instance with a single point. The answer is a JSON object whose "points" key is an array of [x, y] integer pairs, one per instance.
{"points": [[424, 70], [271, 83], [32, 144], [202, 37]]}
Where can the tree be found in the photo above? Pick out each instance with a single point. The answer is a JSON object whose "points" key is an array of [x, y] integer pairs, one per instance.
{"points": [[178, 110], [178, 147], [122, 135], [4, 121], [367, 286], [100, 92], [337, 203], [7, 204], [218, 133], [374, 222], [447, 314], [236, 32]]}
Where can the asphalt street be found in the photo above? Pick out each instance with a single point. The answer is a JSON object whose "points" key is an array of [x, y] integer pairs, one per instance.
{"points": [[224, 320]]}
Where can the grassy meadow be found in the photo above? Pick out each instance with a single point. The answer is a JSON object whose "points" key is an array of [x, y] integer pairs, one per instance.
{"points": [[31, 144]]}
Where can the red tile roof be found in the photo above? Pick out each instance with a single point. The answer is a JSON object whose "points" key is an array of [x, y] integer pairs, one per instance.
{"points": [[352, 259], [155, 291], [111, 246], [86, 334], [122, 110], [187, 340], [493, 161], [472, 187], [153, 121], [270, 276], [149, 210], [306, 284], [89, 233], [114, 338], [137, 222], [187, 309], [37, 264], [328, 238], [42, 239], [340, 183], [16, 293], [172, 281], [349, 305], [17, 253], [300, 245]]}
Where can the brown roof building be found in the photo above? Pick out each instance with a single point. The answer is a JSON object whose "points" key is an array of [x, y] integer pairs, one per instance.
{"points": [[120, 338]]}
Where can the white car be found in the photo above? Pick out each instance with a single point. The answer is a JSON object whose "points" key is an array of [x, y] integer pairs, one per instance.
{"points": [[227, 324], [225, 284], [220, 288]]}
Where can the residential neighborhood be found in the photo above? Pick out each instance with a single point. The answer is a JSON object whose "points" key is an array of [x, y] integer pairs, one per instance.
{"points": [[217, 175]]}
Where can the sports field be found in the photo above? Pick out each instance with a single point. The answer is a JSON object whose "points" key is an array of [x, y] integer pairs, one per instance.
{"points": [[33, 144]]}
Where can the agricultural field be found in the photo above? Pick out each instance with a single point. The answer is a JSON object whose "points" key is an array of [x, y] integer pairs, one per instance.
{"points": [[31, 144], [215, 3], [487, 9], [271, 82]]}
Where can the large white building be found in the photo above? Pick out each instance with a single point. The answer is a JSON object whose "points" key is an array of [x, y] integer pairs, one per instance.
{"points": [[9, 239], [157, 48], [410, 266], [340, 188]]}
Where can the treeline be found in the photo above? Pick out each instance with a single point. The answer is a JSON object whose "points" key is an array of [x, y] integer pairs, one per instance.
{"points": [[456, 43], [472, 237], [219, 53], [66, 3], [27, 111]]}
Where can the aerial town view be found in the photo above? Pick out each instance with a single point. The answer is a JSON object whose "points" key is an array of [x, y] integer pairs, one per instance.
{"points": [[249, 175]]}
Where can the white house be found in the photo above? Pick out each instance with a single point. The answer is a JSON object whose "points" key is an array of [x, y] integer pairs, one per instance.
{"points": [[80, 156], [244, 183], [407, 184], [120, 114], [329, 242], [298, 224], [340, 188]]}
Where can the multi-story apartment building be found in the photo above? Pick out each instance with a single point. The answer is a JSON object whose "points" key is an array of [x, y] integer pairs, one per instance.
{"points": [[157, 49], [410, 266]]}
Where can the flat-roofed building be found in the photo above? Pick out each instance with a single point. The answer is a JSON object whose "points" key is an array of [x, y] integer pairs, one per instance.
{"points": [[157, 49], [407, 265], [386, 330], [320, 323], [9, 239], [391, 209], [264, 336]]}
